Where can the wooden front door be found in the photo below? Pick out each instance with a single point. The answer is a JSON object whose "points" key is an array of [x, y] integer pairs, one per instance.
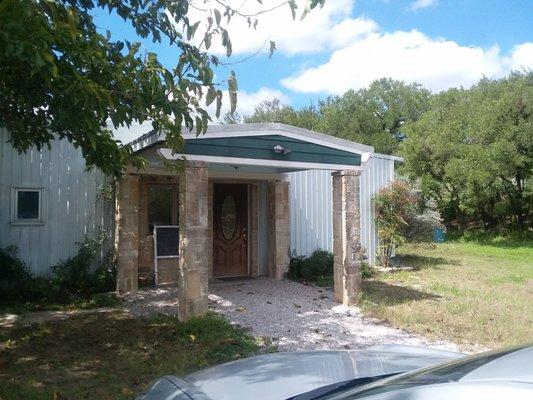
{"points": [[230, 222]]}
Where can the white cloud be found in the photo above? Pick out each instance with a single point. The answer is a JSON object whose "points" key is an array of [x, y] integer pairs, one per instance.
{"points": [[246, 102], [420, 4], [410, 56], [521, 57], [322, 29]]}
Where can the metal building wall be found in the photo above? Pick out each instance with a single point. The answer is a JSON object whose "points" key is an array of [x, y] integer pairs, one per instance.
{"points": [[71, 206], [310, 202], [311, 207]]}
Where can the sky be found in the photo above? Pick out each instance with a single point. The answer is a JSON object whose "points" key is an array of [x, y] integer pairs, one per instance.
{"points": [[349, 43]]}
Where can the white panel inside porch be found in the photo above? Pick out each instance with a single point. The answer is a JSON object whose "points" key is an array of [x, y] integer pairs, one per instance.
{"points": [[311, 207]]}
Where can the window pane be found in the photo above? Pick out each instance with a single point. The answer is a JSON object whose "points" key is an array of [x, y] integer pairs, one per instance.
{"points": [[28, 204], [159, 205]]}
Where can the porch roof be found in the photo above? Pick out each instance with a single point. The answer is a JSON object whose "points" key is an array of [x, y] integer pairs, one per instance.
{"points": [[273, 146]]}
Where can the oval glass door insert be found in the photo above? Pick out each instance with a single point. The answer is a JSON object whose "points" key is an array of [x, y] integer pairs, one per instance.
{"points": [[228, 218]]}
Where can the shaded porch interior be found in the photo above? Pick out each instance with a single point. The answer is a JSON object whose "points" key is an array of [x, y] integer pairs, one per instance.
{"points": [[247, 225]]}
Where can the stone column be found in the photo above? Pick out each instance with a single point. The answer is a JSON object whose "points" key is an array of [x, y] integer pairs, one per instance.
{"points": [[127, 233], [346, 236], [194, 245], [279, 228]]}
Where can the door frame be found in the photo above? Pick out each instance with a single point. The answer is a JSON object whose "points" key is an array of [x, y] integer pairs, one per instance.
{"points": [[248, 225]]}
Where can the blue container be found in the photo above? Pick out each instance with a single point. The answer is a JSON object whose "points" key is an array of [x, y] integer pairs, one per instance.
{"points": [[439, 236]]}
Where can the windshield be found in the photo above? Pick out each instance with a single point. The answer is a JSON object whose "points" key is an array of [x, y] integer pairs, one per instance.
{"points": [[443, 373]]}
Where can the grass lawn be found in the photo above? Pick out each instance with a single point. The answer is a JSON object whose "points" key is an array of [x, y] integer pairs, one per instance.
{"points": [[110, 356], [466, 291]]}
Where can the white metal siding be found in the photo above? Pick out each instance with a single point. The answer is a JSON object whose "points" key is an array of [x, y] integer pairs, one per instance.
{"points": [[71, 207], [311, 207], [310, 200]]}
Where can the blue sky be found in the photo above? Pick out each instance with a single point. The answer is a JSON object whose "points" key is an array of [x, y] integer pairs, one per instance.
{"points": [[349, 43]]}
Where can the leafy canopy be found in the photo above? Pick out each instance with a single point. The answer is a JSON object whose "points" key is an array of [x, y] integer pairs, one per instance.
{"points": [[473, 152], [61, 76]]}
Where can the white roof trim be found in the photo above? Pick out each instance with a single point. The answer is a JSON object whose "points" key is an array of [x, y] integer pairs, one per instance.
{"points": [[388, 157], [284, 130], [248, 130], [169, 155]]}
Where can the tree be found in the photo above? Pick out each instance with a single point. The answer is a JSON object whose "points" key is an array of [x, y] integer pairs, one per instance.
{"points": [[393, 206], [61, 76], [275, 111], [402, 215], [473, 151], [231, 118], [375, 115]]}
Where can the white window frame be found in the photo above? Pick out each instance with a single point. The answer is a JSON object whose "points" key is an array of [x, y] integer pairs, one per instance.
{"points": [[14, 205], [156, 256]]}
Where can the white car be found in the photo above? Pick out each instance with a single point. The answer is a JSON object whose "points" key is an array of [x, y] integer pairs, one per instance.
{"points": [[376, 373]]}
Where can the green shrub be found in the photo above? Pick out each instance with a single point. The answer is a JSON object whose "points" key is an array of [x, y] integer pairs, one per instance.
{"points": [[318, 268], [74, 276], [296, 265], [73, 280], [105, 274], [15, 277], [367, 271], [315, 268], [320, 264], [403, 215], [18, 284]]}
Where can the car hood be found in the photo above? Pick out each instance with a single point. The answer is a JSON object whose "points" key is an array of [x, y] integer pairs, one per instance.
{"points": [[282, 375]]}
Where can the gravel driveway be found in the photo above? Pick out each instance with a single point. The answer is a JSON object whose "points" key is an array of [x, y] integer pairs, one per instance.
{"points": [[291, 315], [301, 317]]}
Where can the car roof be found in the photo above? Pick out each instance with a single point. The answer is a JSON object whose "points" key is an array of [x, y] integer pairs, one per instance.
{"points": [[514, 367]]}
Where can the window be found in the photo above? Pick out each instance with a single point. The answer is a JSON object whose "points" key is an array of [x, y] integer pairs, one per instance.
{"points": [[27, 206], [162, 205]]}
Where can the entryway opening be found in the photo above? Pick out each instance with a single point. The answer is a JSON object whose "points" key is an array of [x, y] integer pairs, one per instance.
{"points": [[230, 230]]}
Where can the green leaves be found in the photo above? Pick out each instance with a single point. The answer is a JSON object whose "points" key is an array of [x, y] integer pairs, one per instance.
{"points": [[218, 16], [232, 89], [310, 5], [394, 206], [473, 151], [207, 40], [272, 49], [226, 42], [293, 6], [63, 77], [191, 30]]}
